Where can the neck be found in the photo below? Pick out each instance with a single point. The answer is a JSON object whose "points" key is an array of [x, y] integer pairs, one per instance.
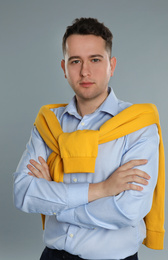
{"points": [[88, 106]]}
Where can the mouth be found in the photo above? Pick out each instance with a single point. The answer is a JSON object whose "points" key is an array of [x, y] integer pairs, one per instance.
{"points": [[86, 84]]}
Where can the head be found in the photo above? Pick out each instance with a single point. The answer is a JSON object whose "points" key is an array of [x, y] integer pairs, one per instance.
{"points": [[89, 26], [87, 62]]}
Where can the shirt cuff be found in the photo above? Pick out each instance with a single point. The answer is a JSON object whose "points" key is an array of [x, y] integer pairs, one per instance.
{"points": [[77, 194]]}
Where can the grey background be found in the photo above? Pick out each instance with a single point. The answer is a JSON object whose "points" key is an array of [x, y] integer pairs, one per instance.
{"points": [[30, 76]]}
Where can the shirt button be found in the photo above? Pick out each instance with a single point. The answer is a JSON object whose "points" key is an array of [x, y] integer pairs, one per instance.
{"points": [[82, 123], [71, 235], [75, 179]]}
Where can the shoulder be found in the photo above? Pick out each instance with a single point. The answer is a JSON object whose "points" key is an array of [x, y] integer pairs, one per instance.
{"points": [[57, 109], [146, 135]]}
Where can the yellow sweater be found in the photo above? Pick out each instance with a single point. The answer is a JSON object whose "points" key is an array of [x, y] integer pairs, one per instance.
{"points": [[81, 156]]}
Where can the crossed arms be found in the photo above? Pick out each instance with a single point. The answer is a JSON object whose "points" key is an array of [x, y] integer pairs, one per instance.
{"points": [[121, 180], [125, 188]]}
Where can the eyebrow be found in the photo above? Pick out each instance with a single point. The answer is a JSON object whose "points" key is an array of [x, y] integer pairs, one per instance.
{"points": [[91, 56]]}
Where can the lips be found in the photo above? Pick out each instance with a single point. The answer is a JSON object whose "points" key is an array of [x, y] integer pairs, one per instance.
{"points": [[86, 84]]}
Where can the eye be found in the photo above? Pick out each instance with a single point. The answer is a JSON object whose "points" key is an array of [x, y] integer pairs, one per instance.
{"points": [[75, 61], [95, 60]]}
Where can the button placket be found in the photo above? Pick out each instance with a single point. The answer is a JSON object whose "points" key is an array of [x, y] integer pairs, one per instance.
{"points": [[70, 236]]}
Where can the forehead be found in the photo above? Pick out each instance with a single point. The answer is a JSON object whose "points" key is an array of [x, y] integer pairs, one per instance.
{"points": [[85, 45]]}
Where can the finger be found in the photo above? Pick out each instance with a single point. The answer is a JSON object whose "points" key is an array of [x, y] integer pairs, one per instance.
{"points": [[45, 166], [37, 165], [40, 170], [43, 162], [34, 170], [31, 174], [137, 172], [131, 186], [136, 179], [132, 164]]}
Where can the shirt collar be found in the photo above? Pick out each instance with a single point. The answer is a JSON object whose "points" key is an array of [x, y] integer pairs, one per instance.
{"points": [[110, 105]]}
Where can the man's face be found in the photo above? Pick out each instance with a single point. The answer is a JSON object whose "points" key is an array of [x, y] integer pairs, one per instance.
{"points": [[87, 67]]}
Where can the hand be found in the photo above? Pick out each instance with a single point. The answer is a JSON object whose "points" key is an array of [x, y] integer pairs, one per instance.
{"points": [[123, 177], [39, 170], [120, 180]]}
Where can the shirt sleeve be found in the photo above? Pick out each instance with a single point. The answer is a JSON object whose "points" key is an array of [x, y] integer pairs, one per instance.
{"points": [[129, 207], [37, 195]]}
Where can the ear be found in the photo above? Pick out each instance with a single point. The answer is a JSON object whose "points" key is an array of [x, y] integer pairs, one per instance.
{"points": [[113, 62], [63, 67]]}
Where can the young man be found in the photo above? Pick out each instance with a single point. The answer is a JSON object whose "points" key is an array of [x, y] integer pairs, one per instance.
{"points": [[96, 211]]}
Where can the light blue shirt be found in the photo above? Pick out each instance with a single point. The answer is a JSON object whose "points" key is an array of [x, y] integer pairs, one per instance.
{"points": [[108, 228]]}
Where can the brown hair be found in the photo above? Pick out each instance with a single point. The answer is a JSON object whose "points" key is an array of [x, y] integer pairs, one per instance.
{"points": [[86, 26]]}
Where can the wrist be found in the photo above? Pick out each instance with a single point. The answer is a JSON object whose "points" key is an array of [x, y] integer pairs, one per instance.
{"points": [[96, 191]]}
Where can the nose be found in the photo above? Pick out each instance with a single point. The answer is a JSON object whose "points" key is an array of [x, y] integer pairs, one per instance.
{"points": [[85, 69]]}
